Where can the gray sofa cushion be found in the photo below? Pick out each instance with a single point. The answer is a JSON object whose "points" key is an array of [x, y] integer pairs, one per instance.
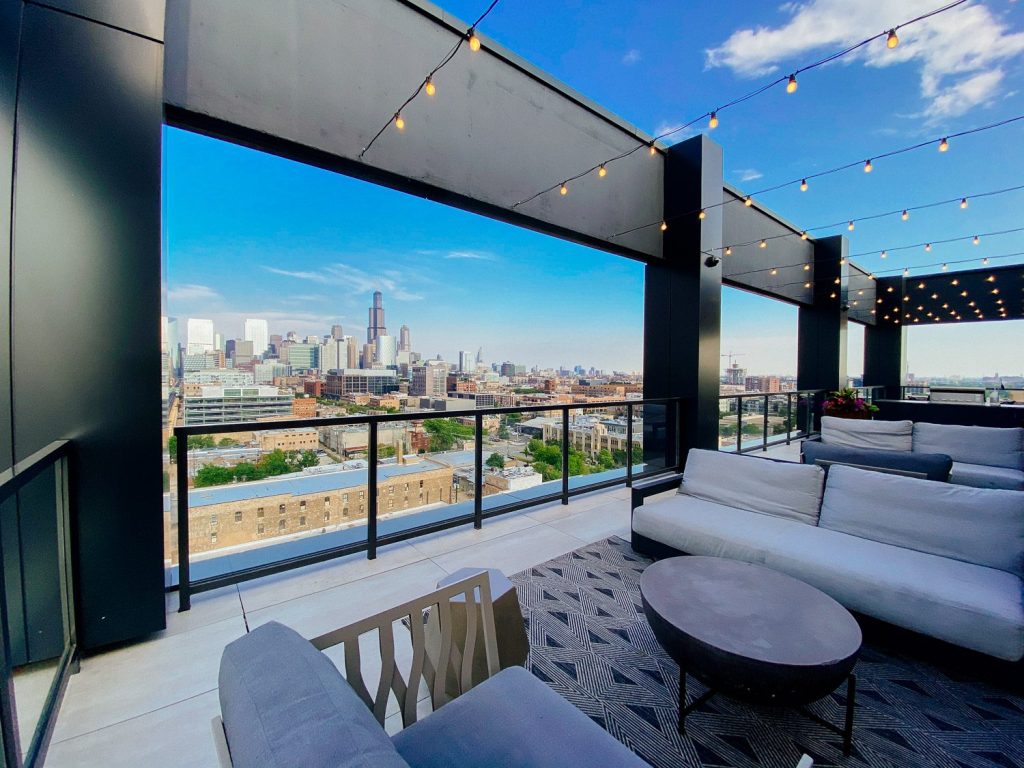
{"points": [[867, 433], [980, 476], [989, 446], [782, 489], [285, 704], [969, 605], [513, 719], [935, 466], [974, 525], [700, 527]]}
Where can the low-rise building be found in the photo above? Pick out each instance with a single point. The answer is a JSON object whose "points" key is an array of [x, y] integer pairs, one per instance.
{"points": [[304, 439], [304, 407], [215, 405], [370, 381], [511, 479], [591, 434]]}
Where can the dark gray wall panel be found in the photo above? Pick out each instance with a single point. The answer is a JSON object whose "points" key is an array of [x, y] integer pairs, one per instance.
{"points": [[750, 266], [325, 75], [10, 32], [143, 17], [87, 298], [821, 326]]}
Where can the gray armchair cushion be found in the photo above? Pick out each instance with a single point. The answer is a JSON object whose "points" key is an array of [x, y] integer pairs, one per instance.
{"points": [[989, 446], [936, 466], [980, 476], [511, 720], [975, 525], [285, 704], [867, 433]]}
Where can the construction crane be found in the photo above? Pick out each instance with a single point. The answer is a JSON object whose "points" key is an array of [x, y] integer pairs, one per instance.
{"points": [[731, 355]]}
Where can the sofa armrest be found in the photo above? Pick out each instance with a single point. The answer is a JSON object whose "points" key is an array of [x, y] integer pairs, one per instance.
{"points": [[641, 491]]}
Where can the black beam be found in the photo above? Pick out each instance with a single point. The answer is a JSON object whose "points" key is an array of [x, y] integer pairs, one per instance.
{"points": [[821, 334], [885, 343], [682, 300]]}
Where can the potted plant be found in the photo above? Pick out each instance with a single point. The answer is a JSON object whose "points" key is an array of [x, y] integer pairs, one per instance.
{"points": [[847, 404]]}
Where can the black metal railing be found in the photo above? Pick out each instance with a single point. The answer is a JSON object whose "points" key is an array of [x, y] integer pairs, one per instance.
{"points": [[800, 416], [665, 431], [14, 481]]}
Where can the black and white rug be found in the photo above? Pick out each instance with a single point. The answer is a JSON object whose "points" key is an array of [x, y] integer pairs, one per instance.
{"points": [[590, 642]]}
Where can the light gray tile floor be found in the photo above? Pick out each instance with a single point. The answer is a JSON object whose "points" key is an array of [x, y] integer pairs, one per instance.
{"points": [[150, 703]]}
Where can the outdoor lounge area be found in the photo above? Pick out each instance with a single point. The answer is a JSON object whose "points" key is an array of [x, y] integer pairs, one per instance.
{"points": [[314, 551]]}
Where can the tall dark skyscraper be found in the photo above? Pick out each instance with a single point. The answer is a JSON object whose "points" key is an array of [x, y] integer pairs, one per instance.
{"points": [[376, 327], [404, 343]]}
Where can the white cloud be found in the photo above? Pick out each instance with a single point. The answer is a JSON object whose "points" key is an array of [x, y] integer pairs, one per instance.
{"points": [[472, 255], [632, 56], [192, 292], [748, 174], [960, 52], [676, 129], [354, 279]]}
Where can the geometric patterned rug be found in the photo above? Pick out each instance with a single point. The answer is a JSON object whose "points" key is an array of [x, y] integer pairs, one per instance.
{"points": [[590, 642]]}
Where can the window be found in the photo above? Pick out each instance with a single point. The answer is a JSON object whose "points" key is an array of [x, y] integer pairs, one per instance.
{"points": [[213, 538], [259, 511], [391, 503], [361, 495], [421, 483], [302, 506], [344, 498], [259, 529], [302, 520], [281, 524], [238, 515], [213, 521], [327, 515], [344, 511], [327, 501], [280, 509], [407, 486], [391, 491]]}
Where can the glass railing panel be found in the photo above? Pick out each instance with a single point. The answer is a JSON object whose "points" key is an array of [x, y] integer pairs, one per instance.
{"points": [[654, 448], [522, 457], [598, 440]]}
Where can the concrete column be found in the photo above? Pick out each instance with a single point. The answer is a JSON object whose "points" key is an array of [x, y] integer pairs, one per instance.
{"points": [[682, 298]]}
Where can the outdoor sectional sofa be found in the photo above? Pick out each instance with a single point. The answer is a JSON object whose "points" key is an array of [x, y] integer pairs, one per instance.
{"points": [[940, 559], [981, 457]]}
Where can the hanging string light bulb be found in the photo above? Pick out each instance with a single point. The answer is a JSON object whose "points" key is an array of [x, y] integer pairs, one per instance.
{"points": [[702, 215], [944, 145], [892, 40], [399, 122], [976, 240], [928, 247], [602, 171], [885, 254], [474, 41], [713, 122], [728, 251], [653, 150], [791, 86], [563, 190], [963, 203], [664, 226], [904, 215], [868, 167], [748, 201], [850, 226], [803, 185], [803, 235], [429, 87], [763, 244]]}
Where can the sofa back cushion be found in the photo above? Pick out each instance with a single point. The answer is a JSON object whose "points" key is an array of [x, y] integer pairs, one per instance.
{"points": [[935, 466], [867, 433], [990, 446], [285, 704], [975, 525], [778, 488]]}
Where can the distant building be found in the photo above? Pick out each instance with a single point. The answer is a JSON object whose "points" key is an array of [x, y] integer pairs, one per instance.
{"points": [[589, 434], [736, 375], [386, 353], [304, 439], [404, 342], [763, 384], [429, 380], [256, 331], [352, 359], [370, 381], [337, 332], [303, 356], [226, 404], [226, 377], [375, 325], [200, 336], [266, 372], [467, 362], [511, 479], [304, 407]]}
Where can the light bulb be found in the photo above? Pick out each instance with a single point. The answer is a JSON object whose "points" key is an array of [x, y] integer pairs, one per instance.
{"points": [[954, 281], [803, 185], [748, 201], [885, 254], [976, 240], [892, 40], [803, 235], [904, 215], [664, 226], [842, 262], [850, 226], [963, 202], [602, 171], [713, 122], [944, 145], [807, 285], [563, 190], [399, 123], [919, 285], [728, 250], [775, 271], [474, 41], [702, 215], [653, 150], [906, 271], [791, 86], [807, 267], [764, 244], [985, 261], [868, 167], [928, 247], [429, 87]]}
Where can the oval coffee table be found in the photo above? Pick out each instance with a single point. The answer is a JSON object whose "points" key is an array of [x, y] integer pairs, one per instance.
{"points": [[751, 633]]}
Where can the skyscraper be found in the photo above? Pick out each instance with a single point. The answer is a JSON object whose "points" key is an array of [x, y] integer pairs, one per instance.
{"points": [[353, 352], [200, 335], [337, 332], [258, 333], [404, 343], [387, 351], [467, 361], [376, 326]]}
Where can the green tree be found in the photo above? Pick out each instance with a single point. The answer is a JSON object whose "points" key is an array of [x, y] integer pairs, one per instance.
{"points": [[443, 433], [496, 460], [547, 471], [385, 451], [503, 433], [200, 442], [213, 475], [172, 447], [605, 460], [752, 429], [577, 464], [227, 442], [309, 458], [246, 471]]}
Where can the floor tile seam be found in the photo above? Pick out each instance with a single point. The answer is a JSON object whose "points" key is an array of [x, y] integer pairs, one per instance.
{"points": [[133, 717], [534, 524]]}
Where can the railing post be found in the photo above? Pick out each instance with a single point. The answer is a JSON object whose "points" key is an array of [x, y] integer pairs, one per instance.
{"points": [[565, 455], [478, 472], [739, 423], [764, 431], [629, 445], [789, 416], [184, 580], [371, 493]]}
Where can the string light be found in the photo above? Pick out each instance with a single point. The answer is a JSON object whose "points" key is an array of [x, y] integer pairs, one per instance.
{"points": [[702, 215], [713, 122], [985, 261], [474, 41], [803, 235], [664, 226], [885, 254], [906, 271], [868, 167], [728, 251], [399, 123], [803, 185], [764, 244], [963, 203], [944, 145], [945, 267], [653, 151], [891, 41], [791, 86], [850, 226], [429, 87], [976, 240], [927, 246], [748, 201], [563, 190], [774, 271], [904, 215], [602, 171], [807, 267]]}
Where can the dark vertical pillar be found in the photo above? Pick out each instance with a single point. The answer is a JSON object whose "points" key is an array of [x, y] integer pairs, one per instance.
{"points": [[10, 34], [821, 334], [885, 343], [683, 294], [86, 297]]}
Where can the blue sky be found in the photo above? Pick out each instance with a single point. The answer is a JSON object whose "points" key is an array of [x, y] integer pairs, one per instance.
{"points": [[232, 214]]}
